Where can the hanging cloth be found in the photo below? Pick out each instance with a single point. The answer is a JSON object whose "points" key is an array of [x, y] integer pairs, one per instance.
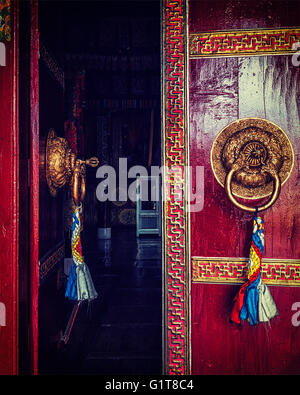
{"points": [[254, 301], [80, 285]]}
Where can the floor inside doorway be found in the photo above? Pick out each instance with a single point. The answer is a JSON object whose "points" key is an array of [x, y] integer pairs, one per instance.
{"points": [[121, 331]]}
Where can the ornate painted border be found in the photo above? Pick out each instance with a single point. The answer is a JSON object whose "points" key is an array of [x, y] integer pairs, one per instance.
{"points": [[234, 271], [243, 43], [175, 216], [52, 65], [46, 265], [5, 27]]}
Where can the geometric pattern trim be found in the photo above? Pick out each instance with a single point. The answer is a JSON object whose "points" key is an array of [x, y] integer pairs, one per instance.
{"points": [[49, 263], [52, 65], [243, 43], [175, 216], [284, 272]]}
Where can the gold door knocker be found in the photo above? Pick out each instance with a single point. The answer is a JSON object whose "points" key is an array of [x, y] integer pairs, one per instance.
{"points": [[252, 158], [63, 167]]}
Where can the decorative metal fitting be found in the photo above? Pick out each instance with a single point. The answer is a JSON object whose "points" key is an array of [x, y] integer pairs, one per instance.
{"points": [[64, 168], [252, 158]]}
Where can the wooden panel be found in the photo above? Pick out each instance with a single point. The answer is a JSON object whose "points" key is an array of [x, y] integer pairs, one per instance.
{"points": [[219, 347], [9, 233], [214, 104], [34, 187], [223, 90], [214, 15], [268, 88]]}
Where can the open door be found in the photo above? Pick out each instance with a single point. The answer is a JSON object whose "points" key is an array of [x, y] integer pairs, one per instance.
{"points": [[41, 247], [223, 63], [19, 185], [225, 86], [33, 307]]}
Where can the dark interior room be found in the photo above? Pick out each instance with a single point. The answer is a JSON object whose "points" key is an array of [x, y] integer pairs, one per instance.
{"points": [[99, 80]]}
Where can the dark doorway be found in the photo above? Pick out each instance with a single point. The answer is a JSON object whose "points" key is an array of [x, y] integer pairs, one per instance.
{"points": [[106, 55]]}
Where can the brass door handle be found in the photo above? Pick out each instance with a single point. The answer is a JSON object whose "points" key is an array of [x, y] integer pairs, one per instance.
{"points": [[252, 158], [275, 194], [64, 168], [78, 183]]}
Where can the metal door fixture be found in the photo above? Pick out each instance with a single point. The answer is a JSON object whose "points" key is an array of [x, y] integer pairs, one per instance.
{"points": [[252, 158], [63, 167]]}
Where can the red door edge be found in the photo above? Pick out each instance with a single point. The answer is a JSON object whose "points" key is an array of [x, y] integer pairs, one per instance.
{"points": [[15, 186], [34, 186]]}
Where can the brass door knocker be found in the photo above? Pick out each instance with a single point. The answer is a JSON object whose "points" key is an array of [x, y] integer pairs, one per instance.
{"points": [[63, 167], [252, 158]]}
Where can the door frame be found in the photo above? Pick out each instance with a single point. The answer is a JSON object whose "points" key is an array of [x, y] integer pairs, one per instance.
{"points": [[175, 213]]}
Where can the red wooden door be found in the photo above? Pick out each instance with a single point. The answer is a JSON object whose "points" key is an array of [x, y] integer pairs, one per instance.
{"points": [[26, 246], [9, 162], [19, 185], [28, 185], [223, 89]]}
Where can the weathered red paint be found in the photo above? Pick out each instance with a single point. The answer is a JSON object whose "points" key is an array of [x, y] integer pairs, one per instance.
{"points": [[9, 234], [220, 347], [218, 15], [34, 185]]}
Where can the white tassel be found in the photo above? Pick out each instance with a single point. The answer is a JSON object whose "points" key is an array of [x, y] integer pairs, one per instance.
{"points": [[85, 285], [266, 306]]}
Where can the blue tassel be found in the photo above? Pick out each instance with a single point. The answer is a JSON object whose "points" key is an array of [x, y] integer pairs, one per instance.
{"points": [[71, 290], [250, 306]]}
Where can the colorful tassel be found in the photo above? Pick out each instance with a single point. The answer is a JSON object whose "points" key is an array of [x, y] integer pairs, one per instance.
{"points": [[80, 284], [254, 301]]}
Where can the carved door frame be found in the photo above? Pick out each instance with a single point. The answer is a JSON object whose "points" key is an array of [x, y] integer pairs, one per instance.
{"points": [[175, 216]]}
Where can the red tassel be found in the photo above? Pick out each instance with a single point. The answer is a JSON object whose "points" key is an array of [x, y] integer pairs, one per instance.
{"points": [[239, 299]]}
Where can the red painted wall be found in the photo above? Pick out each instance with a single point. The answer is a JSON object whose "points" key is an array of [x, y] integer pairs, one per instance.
{"points": [[9, 204], [220, 230]]}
